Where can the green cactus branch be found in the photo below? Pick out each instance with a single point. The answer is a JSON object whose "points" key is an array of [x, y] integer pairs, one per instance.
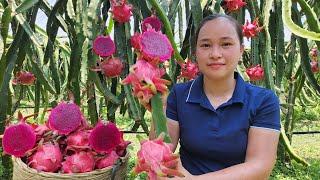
{"points": [[267, 60], [167, 28], [312, 19], [158, 117], [286, 16], [292, 154]]}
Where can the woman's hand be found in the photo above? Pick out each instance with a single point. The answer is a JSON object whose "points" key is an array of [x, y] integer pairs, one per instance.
{"points": [[180, 168]]}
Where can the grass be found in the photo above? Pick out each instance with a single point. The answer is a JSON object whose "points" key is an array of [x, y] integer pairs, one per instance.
{"points": [[307, 147]]}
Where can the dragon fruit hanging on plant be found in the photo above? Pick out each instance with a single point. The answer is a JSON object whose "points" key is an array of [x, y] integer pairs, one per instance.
{"points": [[121, 11], [250, 30], [255, 73], [24, 78], [145, 76], [233, 5], [189, 70]]}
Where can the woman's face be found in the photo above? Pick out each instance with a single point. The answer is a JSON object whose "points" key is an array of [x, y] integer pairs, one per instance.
{"points": [[218, 49]]}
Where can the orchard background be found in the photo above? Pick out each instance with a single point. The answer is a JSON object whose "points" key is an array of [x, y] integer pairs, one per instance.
{"points": [[58, 52]]}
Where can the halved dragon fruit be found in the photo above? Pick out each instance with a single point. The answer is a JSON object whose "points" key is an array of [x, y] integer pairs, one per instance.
{"points": [[155, 46], [18, 139], [152, 22], [47, 158], [107, 161], [78, 163], [156, 158], [65, 118], [104, 138], [103, 46]]}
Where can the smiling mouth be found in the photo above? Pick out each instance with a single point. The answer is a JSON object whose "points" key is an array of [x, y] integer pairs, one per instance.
{"points": [[216, 64]]}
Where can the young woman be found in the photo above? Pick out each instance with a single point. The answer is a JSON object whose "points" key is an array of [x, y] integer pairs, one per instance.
{"points": [[227, 128]]}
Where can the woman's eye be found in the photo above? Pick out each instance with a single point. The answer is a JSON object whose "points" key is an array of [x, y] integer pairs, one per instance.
{"points": [[226, 44], [205, 45]]}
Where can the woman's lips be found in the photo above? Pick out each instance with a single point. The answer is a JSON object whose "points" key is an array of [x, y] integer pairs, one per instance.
{"points": [[216, 65]]}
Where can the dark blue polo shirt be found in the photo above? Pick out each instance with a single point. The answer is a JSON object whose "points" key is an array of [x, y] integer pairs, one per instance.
{"points": [[213, 139]]}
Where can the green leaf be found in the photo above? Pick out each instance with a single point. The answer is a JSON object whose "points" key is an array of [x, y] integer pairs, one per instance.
{"points": [[196, 12], [70, 9], [106, 92], [25, 5], [295, 29], [5, 21]]}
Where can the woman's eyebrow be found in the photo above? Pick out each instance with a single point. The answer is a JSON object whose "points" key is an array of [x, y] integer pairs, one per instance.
{"points": [[226, 38], [204, 40]]}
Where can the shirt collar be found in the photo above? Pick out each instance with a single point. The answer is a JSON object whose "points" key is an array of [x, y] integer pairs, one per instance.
{"points": [[196, 93]]}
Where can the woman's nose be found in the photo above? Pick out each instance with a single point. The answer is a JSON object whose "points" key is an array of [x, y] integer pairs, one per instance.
{"points": [[215, 52]]}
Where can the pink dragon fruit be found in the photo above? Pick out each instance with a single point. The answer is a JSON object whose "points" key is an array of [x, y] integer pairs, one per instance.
{"points": [[189, 70], [314, 54], [152, 22], [146, 81], [121, 148], [121, 12], [78, 163], [78, 140], [40, 130], [156, 158], [24, 78], [135, 41], [110, 67], [104, 138], [314, 66], [155, 52], [108, 160], [117, 2], [233, 5], [103, 46], [47, 158], [65, 118], [251, 29], [255, 73], [18, 139]]}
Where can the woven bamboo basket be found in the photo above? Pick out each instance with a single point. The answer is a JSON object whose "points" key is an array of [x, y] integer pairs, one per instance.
{"points": [[23, 172]]}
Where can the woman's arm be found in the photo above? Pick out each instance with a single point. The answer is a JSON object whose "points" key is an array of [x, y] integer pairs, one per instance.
{"points": [[173, 130], [260, 158]]}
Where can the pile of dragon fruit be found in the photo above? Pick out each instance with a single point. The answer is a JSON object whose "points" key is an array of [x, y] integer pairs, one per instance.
{"points": [[66, 143]]}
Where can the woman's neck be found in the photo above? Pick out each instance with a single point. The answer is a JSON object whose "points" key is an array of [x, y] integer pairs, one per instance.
{"points": [[219, 88]]}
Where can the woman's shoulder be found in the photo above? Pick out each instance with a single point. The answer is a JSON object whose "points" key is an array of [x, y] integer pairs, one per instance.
{"points": [[259, 92], [182, 86]]}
